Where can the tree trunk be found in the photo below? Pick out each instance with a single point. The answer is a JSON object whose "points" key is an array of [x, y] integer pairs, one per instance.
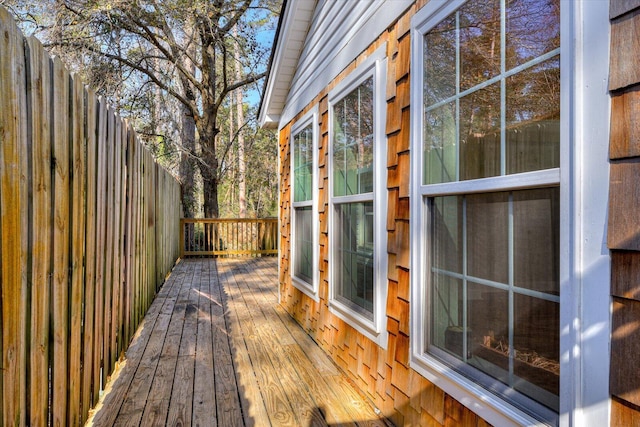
{"points": [[242, 189], [188, 164]]}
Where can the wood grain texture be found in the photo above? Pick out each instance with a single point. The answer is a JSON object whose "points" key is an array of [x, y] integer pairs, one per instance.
{"points": [[89, 398], [625, 274], [625, 51], [624, 198], [256, 366], [623, 413], [625, 346], [620, 7], [77, 255], [625, 124], [39, 100], [13, 223], [61, 241]]}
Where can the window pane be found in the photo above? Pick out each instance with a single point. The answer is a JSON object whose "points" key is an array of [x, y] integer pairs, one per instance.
{"points": [[536, 224], [489, 320], [479, 312], [440, 145], [533, 118], [353, 142], [440, 62], [479, 42], [447, 328], [488, 236], [536, 340], [354, 253], [533, 29], [303, 164], [447, 234], [303, 246], [480, 133]]}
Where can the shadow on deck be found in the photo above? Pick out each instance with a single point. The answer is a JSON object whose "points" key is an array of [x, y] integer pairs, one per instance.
{"points": [[216, 349]]}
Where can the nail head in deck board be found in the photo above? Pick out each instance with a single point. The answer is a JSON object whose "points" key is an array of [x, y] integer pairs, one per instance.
{"points": [[625, 346], [624, 202], [625, 51], [625, 124], [620, 7]]}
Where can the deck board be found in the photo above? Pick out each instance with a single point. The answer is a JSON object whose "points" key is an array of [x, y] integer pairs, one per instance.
{"points": [[216, 349]]}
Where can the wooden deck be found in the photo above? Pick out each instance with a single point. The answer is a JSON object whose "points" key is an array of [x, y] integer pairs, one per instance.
{"points": [[217, 349]]}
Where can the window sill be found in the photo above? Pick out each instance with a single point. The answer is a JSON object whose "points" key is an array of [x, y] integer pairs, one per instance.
{"points": [[306, 288], [487, 405], [360, 323]]}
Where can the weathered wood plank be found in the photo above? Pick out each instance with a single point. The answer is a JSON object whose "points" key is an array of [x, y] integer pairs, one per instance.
{"points": [[620, 7], [109, 406], [181, 404], [204, 397], [160, 393], [625, 124], [116, 284], [274, 396], [624, 199], [100, 238], [305, 408], [328, 390], [89, 397], [61, 241], [623, 413], [108, 352], [39, 100], [13, 222], [78, 238], [625, 274], [625, 51], [146, 344], [625, 336], [280, 375]]}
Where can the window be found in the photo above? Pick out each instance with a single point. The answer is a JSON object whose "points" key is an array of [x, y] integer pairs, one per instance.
{"points": [[358, 199], [486, 193], [304, 253]]}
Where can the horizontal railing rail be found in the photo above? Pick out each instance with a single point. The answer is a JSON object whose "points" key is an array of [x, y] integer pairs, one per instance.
{"points": [[228, 237]]}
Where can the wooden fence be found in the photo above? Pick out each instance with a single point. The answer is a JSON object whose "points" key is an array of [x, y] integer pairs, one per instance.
{"points": [[88, 231], [228, 237]]}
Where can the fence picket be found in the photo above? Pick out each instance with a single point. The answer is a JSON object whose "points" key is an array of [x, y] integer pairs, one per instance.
{"points": [[61, 236], [39, 103], [13, 222], [88, 230]]}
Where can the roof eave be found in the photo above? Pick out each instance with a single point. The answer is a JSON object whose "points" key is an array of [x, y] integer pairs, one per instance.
{"points": [[280, 72]]}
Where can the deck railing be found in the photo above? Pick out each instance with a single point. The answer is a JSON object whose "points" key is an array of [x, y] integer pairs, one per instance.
{"points": [[230, 237]]}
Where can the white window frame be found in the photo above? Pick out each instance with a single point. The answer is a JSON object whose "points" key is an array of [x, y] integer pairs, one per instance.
{"points": [[585, 267], [311, 290], [374, 66]]}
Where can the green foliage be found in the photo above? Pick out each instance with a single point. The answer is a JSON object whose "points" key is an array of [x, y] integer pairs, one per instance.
{"points": [[169, 67]]}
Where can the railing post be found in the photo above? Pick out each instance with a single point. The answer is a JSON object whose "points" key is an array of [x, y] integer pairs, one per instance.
{"points": [[182, 222]]}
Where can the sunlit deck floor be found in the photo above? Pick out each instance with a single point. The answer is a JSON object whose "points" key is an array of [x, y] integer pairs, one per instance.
{"points": [[217, 349]]}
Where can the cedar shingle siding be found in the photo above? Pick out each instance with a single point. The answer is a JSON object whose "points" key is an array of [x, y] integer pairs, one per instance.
{"points": [[404, 396], [624, 204]]}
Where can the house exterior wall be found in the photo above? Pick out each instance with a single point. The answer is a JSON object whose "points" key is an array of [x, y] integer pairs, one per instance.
{"points": [[624, 204], [384, 374], [403, 395]]}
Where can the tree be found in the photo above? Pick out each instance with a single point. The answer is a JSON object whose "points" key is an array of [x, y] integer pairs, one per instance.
{"points": [[185, 49]]}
